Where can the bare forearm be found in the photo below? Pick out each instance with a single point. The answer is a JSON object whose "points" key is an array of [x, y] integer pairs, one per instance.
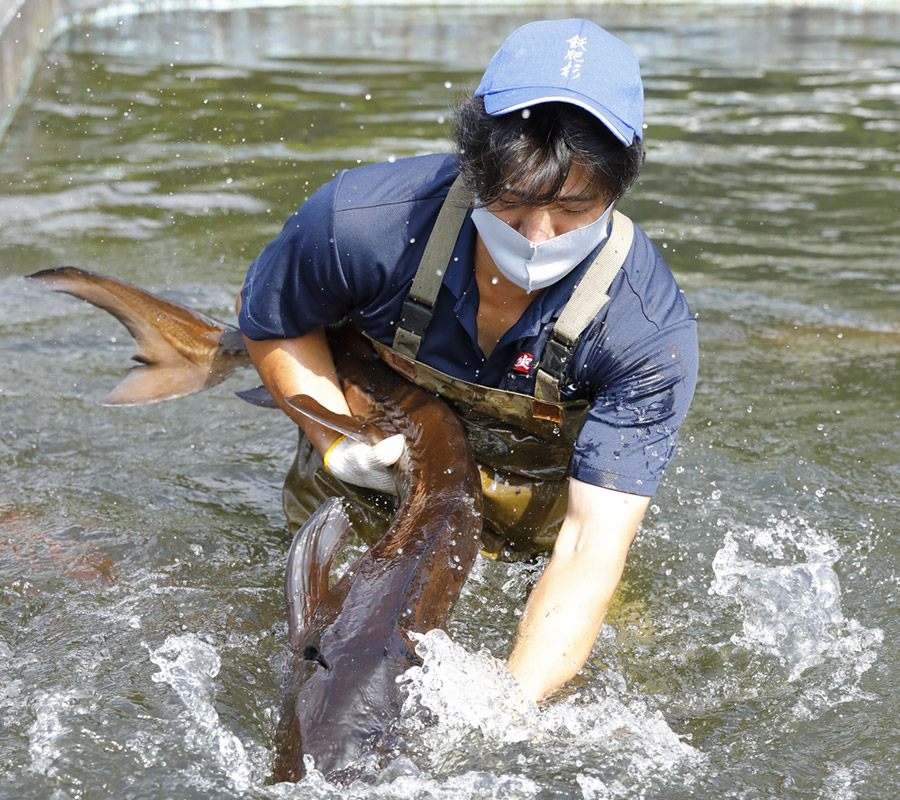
{"points": [[569, 602], [560, 624], [301, 366]]}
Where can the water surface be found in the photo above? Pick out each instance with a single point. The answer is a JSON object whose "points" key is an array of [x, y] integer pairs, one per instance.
{"points": [[752, 648]]}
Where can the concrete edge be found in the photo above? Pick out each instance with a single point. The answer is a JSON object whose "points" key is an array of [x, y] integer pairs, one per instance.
{"points": [[25, 28]]}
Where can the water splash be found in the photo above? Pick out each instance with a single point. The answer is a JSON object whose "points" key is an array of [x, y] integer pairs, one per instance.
{"points": [[402, 779], [791, 610], [459, 702], [189, 665], [453, 683], [47, 729]]}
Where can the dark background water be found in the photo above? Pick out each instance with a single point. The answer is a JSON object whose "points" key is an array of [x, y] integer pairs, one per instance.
{"points": [[751, 650]]}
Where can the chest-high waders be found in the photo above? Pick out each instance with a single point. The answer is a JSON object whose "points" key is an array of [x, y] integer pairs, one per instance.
{"points": [[522, 443]]}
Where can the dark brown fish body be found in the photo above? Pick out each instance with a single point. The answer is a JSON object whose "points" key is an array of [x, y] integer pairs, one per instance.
{"points": [[350, 647], [351, 642]]}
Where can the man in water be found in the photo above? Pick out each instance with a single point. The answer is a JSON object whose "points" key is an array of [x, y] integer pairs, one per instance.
{"points": [[533, 287]]}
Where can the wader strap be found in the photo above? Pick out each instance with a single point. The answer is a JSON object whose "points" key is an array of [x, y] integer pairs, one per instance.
{"points": [[589, 297], [418, 308]]}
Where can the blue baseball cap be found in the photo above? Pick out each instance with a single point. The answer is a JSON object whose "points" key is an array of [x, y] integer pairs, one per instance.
{"points": [[568, 61]]}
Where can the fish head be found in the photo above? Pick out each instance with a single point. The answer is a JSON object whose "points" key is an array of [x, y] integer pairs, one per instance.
{"points": [[341, 700], [346, 652]]}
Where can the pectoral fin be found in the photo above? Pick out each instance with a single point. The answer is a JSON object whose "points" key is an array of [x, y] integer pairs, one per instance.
{"points": [[352, 427], [258, 396], [310, 557]]}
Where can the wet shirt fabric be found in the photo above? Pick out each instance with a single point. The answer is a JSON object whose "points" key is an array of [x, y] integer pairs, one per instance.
{"points": [[352, 250]]}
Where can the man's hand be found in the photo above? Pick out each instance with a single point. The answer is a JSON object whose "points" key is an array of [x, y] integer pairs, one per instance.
{"points": [[569, 602], [304, 365], [363, 464]]}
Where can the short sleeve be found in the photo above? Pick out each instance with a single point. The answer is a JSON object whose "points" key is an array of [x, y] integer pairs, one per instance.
{"points": [[631, 429], [637, 365], [297, 283]]}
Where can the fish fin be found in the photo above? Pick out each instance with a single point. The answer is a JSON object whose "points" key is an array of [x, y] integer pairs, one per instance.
{"points": [[258, 396], [181, 351], [143, 385], [310, 557], [351, 427]]}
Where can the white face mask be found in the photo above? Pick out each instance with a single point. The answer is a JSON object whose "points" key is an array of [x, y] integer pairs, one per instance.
{"points": [[532, 266]]}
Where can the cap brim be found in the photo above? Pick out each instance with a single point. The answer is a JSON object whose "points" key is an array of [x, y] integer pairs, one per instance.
{"points": [[497, 103]]}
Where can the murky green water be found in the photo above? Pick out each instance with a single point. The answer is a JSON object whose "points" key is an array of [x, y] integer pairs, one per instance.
{"points": [[752, 651]]}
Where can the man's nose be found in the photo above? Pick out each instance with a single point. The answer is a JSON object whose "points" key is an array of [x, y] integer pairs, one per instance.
{"points": [[536, 225]]}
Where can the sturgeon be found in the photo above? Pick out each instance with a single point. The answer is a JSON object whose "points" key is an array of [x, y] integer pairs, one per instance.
{"points": [[348, 644]]}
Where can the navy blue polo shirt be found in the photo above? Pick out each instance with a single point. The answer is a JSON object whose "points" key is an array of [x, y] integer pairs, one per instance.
{"points": [[352, 250]]}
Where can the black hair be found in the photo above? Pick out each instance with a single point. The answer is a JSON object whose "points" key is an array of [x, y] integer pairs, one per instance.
{"points": [[533, 151]]}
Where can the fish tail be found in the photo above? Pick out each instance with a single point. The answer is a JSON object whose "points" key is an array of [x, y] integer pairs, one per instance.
{"points": [[179, 351]]}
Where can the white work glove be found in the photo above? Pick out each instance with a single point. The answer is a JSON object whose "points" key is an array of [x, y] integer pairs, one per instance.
{"points": [[364, 464]]}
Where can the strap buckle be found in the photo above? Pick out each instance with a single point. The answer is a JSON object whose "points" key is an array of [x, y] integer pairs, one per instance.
{"points": [[415, 316], [556, 357]]}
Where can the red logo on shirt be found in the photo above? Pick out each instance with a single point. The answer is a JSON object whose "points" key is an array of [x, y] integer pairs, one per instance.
{"points": [[523, 362]]}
